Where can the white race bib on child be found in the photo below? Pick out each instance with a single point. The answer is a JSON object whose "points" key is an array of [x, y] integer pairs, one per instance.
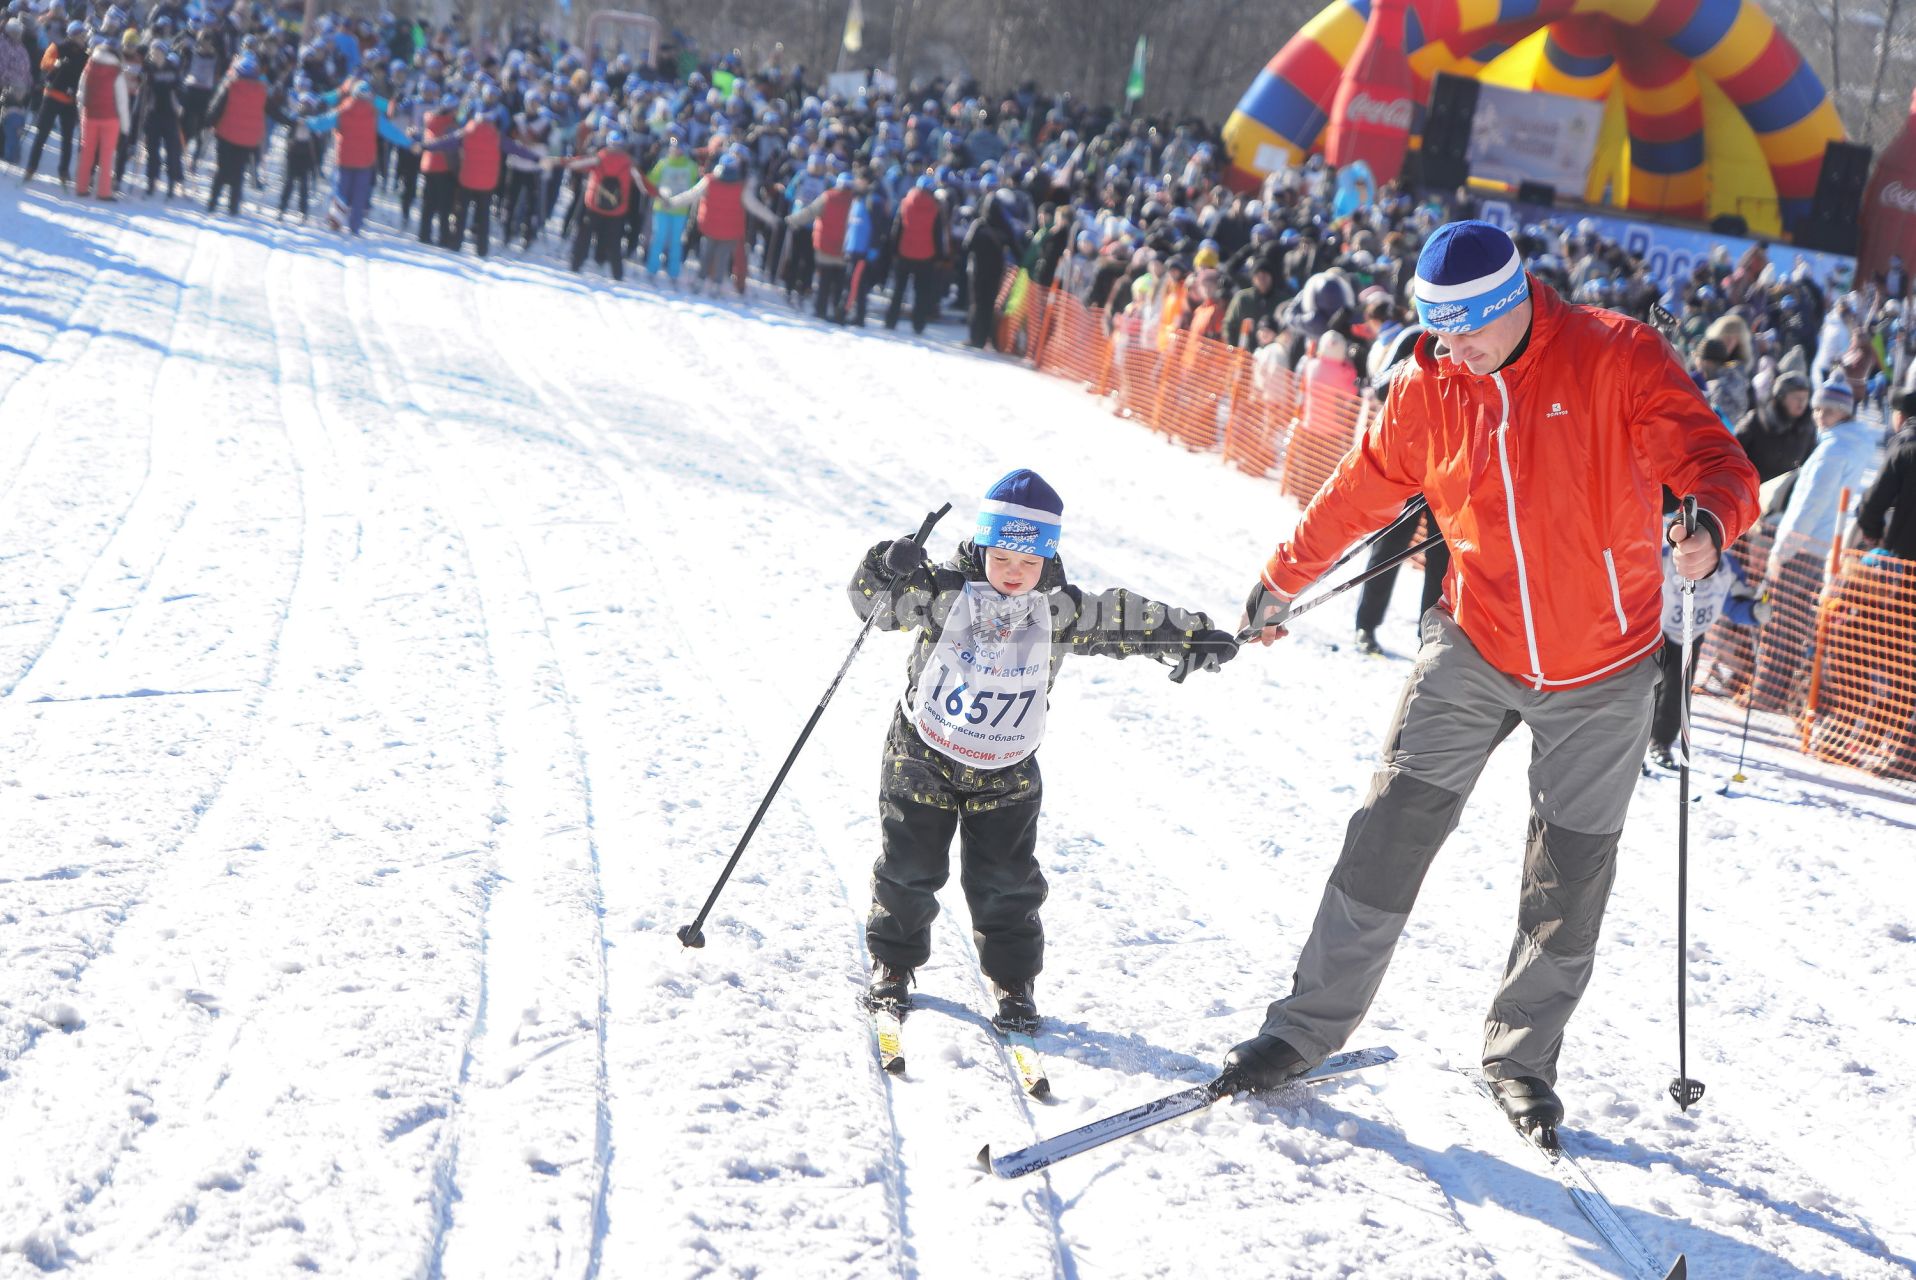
{"points": [[981, 696]]}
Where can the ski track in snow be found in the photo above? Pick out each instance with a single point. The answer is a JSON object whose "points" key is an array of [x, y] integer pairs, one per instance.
{"points": [[392, 649]]}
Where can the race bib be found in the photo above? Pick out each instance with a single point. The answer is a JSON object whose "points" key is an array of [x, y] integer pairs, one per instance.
{"points": [[981, 696]]}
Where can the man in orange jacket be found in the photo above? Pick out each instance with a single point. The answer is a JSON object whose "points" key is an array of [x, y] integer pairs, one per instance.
{"points": [[1542, 435]]}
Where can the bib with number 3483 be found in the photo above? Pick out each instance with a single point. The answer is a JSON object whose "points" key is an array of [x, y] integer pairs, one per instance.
{"points": [[981, 696]]}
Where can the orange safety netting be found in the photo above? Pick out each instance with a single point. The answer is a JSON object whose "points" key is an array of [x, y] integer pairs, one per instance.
{"points": [[1204, 393], [1837, 657]]}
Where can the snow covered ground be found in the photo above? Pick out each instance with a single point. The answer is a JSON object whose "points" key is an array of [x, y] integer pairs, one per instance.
{"points": [[392, 649]]}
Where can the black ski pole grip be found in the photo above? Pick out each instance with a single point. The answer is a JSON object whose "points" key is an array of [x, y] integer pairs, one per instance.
{"points": [[1689, 516], [924, 530]]}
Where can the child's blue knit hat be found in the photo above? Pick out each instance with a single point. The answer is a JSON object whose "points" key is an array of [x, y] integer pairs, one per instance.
{"points": [[1021, 513]]}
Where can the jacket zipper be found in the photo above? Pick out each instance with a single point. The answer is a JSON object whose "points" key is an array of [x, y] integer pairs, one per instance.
{"points": [[1516, 539], [1616, 596]]}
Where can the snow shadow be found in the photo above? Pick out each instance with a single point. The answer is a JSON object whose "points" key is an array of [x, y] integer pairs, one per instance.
{"points": [[87, 256], [1471, 1177], [1854, 1235], [1083, 1044]]}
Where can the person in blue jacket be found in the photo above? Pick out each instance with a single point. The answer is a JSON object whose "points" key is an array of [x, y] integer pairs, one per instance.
{"points": [[861, 249], [1846, 450]]}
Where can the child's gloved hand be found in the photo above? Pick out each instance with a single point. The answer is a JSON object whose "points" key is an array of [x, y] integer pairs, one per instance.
{"points": [[904, 558], [1204, 651]]}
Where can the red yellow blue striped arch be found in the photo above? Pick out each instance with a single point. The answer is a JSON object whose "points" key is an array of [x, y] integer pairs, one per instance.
{"points": [[1708, 108]]}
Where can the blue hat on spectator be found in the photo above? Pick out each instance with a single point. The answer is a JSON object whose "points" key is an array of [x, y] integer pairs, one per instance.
{"points": [[1468, 274], [1021, 513], [1836, 393]]}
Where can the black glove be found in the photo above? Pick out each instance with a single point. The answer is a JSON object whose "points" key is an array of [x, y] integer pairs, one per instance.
{"points": [[1204, 651], [1264, 608], [904, 558]]}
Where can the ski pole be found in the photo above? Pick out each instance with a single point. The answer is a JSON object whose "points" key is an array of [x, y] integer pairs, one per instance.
{"points": [[692, 935], [1749, 707], [1250, 633], [1412, 509], [1684, 1090]]}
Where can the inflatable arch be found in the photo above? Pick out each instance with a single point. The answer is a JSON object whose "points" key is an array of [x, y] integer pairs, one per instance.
{"points": [[1708, 108]]}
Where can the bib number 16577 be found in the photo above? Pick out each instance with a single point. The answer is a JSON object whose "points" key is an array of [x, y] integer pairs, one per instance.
{"points": [[981, 702]]}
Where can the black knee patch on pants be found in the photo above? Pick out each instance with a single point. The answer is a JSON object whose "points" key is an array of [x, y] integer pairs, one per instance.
{"points": [[1566, 883], [1392, 839]]}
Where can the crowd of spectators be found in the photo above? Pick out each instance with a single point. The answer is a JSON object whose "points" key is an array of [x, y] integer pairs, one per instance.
{"points": [[939, 192]]}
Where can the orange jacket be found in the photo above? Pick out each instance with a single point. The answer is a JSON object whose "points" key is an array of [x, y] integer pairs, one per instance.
{"points": [[1171, 314], [1545, 478]]}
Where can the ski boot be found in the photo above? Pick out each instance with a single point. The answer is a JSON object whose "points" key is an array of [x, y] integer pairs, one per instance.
{"points": [[890, 988], [1365, 642], [1017, 1011], [1533, 1106], [1260, 1063], [1661, 757]]}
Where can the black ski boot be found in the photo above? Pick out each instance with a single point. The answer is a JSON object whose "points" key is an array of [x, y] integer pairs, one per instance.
{"points": [[1017, 1010], [1533, 1106], [891, 986], [1662, 758], [1260, 1063], [1366, 642]]}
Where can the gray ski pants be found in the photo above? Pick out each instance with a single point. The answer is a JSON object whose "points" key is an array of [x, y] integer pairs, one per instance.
{"points": [[1588, 745]]}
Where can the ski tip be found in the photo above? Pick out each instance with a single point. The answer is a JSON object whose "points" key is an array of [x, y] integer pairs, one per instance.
{"points": [[1039, 1088], [984, 1157], [895, 1066], [1679, 1269]]}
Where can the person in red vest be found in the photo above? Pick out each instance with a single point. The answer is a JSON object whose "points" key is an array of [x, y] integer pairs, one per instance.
{"points": [[608, 198], [60, 69], [238, 113], [439, 171], [480, 143], [723, 201], [360, 121], [921, 236], [830, 211], [104, 115]]}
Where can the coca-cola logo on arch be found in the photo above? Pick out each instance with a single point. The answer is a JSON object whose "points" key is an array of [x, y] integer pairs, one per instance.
{"points": [[1898, 196], [1364, 109]]}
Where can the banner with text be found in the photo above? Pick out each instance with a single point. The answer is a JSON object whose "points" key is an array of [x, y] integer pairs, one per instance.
{"points": [[1519, 137], [1668, 252]]}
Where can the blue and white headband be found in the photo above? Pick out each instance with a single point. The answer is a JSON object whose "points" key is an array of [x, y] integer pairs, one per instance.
{"points": [[1010, 527], [1462, 308]]}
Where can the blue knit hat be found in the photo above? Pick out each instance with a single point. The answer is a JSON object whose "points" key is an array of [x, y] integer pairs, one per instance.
{"points": [[1468, 274], [1835, 392], [1021, 513]]}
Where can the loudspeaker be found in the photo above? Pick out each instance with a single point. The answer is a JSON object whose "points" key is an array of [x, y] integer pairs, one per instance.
{"points": [[1446, 149], [1537, 193], [1729, 224], [1835, 213]]}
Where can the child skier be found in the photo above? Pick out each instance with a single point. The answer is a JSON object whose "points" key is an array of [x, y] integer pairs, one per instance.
{"points": [[994, 623], [1725, 594], [304, 149]]}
